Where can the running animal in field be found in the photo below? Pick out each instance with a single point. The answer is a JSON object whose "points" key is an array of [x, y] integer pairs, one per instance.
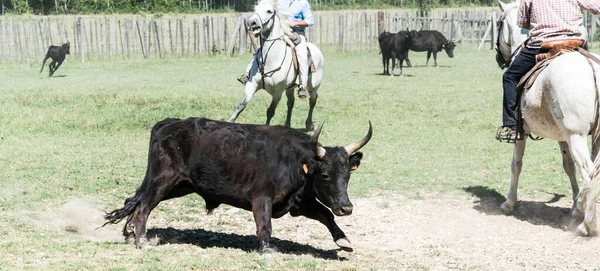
{"points": [[57, 53]]}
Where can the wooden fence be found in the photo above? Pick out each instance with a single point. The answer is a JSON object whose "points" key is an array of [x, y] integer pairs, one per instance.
{"points": [[26, 39]]}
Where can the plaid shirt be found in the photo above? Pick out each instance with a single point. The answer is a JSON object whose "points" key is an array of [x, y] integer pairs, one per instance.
{"points": [[554, 19]]}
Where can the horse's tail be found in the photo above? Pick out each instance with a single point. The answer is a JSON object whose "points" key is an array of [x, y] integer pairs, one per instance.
{"points": [[586, 201]]}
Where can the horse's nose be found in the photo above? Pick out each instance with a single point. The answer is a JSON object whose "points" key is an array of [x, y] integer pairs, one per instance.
{"points": [[251, 24]]}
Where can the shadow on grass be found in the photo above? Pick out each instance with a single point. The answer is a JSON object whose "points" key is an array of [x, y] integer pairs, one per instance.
{"points": [[387, 75], [248, 243], [431, 66], [537, 213]]}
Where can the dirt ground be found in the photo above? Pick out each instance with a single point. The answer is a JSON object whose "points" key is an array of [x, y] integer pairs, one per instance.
{"points": [[437, 232]]}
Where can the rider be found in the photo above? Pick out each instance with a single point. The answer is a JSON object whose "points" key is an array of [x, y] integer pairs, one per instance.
{"points": [[547, 20], [300, 17]]}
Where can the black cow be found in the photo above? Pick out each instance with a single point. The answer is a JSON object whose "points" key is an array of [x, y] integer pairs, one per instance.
{"points": [[394, 46], [57, 53], [269, 170], [431, 41]]}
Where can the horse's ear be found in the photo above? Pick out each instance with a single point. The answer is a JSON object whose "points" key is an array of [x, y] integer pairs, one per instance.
{"points": [[501, 5]]}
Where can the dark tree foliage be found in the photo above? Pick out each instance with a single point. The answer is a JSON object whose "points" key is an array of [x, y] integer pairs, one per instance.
{"points": [[191, 6]]}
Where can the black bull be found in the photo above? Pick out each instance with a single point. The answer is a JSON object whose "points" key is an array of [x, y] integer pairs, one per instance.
{"points": [[269, 170]]}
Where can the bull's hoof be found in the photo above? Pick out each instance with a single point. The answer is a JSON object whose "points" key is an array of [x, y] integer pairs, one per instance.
{"points": [[139, 243], [344, 244], [310, 127], [269, 249], [507, 208]]}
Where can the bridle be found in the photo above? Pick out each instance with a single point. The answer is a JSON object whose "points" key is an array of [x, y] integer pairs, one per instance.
{"points": [[263, 57], [502, 62]]}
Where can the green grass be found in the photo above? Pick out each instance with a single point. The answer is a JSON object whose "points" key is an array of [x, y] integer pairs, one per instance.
{"points": [[85, 135]]}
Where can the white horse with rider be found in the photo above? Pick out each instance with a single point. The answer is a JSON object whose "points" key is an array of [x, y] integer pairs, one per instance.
{"points": [[272, 68], [563, 105]]}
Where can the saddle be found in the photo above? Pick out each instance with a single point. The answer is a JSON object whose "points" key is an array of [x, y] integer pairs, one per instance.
{"points": [[295, 60], [556, 48]]}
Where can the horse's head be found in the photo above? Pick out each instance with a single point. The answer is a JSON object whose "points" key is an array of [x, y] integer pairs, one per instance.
{"points": [[267, 19], [510, 36]]}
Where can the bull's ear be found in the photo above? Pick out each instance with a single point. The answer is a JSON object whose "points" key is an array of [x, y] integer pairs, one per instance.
{"points": [[355, 160]]}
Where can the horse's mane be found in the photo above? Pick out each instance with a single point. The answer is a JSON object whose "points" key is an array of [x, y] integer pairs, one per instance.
{"points": [[283, 19]]}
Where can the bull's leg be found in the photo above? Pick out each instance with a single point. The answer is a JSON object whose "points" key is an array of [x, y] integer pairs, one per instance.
{"points": [[261, 209], [571, 171], [289, 93], [434, 58], [428, 56], [274, 102], [51, 66], [55, 68], [516, 165], [313, 101], [249, 90], [161, 189], [383, 61], [408, 62], [314, 210], [44, 62]]}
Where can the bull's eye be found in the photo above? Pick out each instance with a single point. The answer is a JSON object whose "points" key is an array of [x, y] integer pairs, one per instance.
{"points": [[325, 177]]}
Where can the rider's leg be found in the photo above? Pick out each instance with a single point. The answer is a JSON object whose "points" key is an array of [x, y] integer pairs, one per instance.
{"points": [[517, 69], [302, 55], [244, 77]]}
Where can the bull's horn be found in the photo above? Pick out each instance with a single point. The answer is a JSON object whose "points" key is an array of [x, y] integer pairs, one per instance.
{"points": [[350, 149], [318, 150]]}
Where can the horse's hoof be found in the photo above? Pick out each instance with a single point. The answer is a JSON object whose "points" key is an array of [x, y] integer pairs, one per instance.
{"points": [[582, 230], [344, 244], [576, 214], [507, 208]]}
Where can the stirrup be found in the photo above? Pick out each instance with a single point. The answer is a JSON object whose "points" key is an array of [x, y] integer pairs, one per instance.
{"points": [[243, 79], [507, 134]]}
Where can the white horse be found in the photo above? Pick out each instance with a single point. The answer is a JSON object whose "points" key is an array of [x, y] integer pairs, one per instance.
{"points": [[561, 105], [272, 68]]}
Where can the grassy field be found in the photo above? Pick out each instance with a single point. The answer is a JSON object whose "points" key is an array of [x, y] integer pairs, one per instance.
{"points": [[80, 140]]}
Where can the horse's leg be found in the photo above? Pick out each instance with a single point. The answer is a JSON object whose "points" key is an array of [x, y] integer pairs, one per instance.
{"points": [[313, 101], [249, 90], [289, 93], [586, 201], [569, 167], [274, 102], [516, 165]]}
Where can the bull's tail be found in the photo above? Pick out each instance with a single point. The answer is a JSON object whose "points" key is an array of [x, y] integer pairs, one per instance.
{"points": [[44, 62], [129, 207]]}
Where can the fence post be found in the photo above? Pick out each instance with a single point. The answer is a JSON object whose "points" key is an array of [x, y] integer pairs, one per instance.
{"points": [[380, 22]]}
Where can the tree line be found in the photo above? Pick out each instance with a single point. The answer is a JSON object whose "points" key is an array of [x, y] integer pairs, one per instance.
{"points": [[50, 7]]}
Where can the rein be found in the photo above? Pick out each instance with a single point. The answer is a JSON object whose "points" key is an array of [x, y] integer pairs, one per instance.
{"points": [[502, 62], [263, 57]]}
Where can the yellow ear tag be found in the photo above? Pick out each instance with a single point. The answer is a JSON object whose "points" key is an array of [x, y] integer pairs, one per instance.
{"points": [[305, 167], [443, 45]]}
